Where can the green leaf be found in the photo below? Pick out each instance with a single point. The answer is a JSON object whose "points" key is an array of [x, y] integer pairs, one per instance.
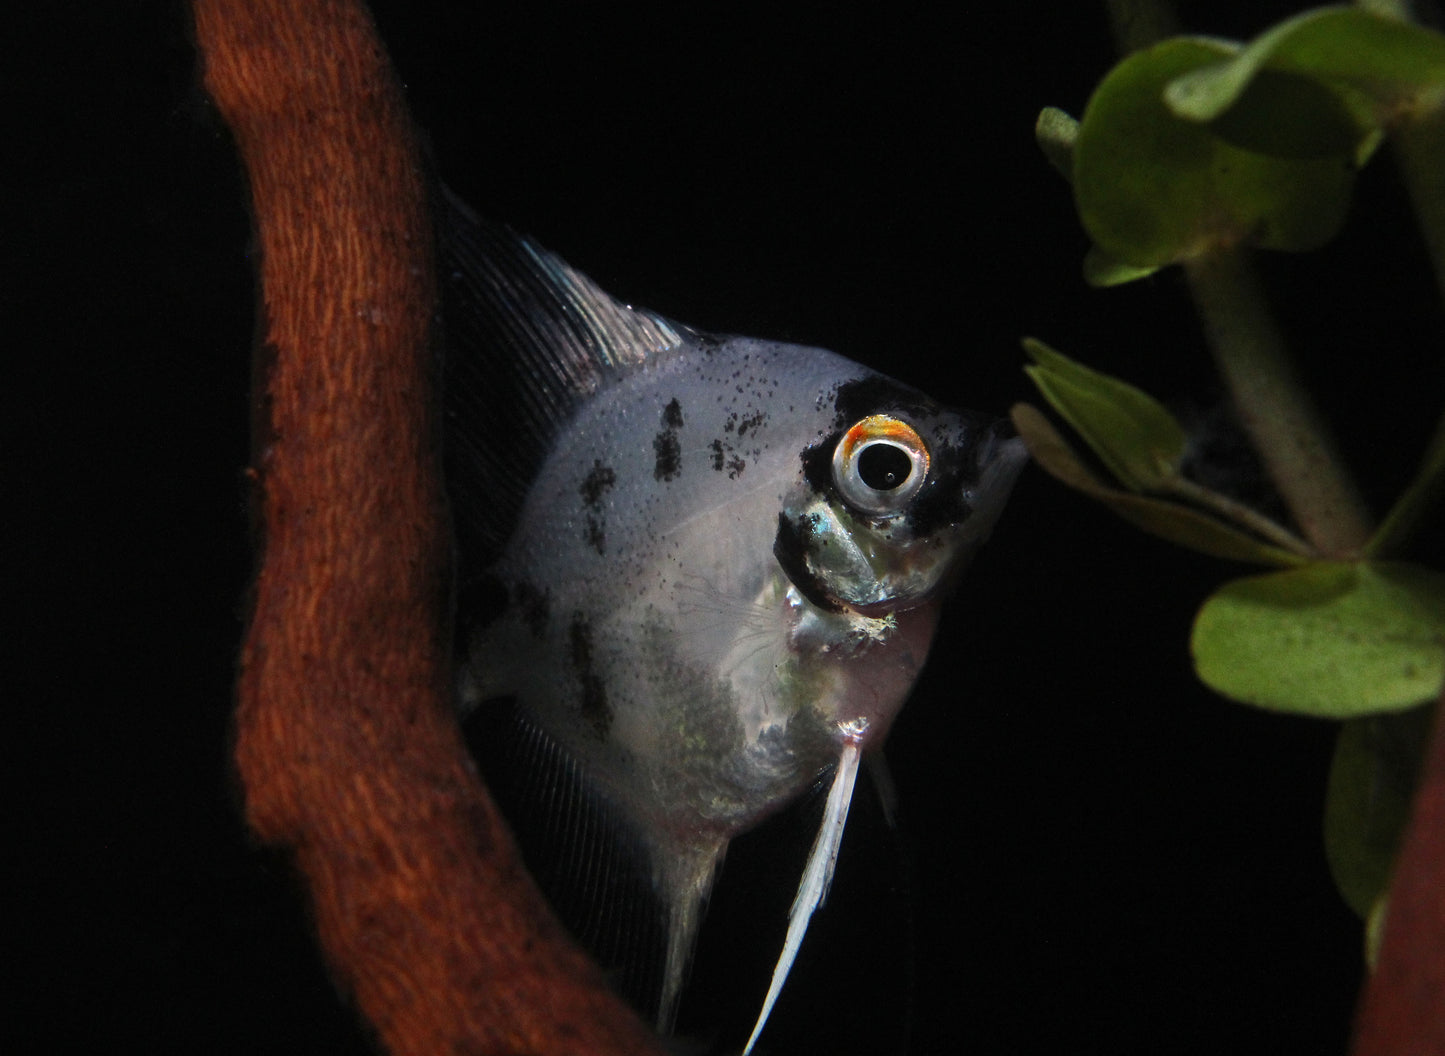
{"points": [[1286, 115], [1102, 270], [1055, 131], [1390, 63], [1367, 802], [1330, 639], [1424, 491], [1153, 189], [1179, 524], [1131, 432]]}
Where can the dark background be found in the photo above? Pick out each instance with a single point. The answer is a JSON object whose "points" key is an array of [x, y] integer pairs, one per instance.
{"points": [[1095, 854]]}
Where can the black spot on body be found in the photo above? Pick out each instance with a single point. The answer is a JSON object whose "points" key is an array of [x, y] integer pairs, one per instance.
{"points": [[752, 421], [597, 483], [596, 712], [595, 533], [669, 456], [665, 444], [672, 414]]}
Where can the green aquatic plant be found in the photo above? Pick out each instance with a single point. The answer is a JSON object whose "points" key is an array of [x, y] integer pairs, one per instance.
{"points": [[1194, 152]]}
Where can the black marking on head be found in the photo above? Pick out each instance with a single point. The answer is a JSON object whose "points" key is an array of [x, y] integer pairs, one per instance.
{"points": [[818, 464], [533, 605], [875, 394], [598, 481], [938, 504], [791, 549], [595, 709], [957, 465], [672, 414]]}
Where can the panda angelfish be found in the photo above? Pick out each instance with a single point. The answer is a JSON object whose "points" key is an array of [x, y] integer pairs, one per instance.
{"points": [[697, 574]]}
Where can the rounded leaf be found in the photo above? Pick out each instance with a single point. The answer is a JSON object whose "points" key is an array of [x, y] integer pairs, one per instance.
{"points": [[1153, 189], [1331, 639], [1286, 115], [1384, 60]]}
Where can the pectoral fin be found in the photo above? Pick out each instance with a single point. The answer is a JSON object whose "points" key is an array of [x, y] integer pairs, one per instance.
{"points": [[817, 875]]}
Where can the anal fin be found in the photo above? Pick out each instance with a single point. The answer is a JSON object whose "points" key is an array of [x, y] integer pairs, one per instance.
{"points": [[594, 861], [817, 876]]}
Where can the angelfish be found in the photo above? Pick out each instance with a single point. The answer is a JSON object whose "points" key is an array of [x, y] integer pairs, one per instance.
{"points": [[697, 573]]}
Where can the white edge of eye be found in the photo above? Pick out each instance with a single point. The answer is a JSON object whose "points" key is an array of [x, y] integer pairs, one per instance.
{"points": [[870, 500]]}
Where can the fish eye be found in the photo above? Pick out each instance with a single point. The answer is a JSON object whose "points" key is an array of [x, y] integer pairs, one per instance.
{"points": [[879, 464]]}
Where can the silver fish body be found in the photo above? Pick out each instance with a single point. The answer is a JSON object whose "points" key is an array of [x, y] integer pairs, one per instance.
{"points": [[721, 577]]}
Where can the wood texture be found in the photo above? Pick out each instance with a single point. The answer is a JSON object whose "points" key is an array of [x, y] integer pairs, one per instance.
{"points": [[346, 745]]}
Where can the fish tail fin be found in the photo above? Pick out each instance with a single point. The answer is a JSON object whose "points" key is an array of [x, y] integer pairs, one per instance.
{"points": [[817, 876]]}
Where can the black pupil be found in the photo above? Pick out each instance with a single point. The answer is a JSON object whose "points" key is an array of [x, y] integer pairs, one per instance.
{"points": [[884, 467]]}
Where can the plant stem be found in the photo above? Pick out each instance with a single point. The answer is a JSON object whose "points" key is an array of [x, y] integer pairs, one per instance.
{"points": [[1419, 142], [1418, 139], [1244, 516], [1274, 409]]}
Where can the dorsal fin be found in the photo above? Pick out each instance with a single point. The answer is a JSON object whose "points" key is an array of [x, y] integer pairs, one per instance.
{"points": [[528, 340]]}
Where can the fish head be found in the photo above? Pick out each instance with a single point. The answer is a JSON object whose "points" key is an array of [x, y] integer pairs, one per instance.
{"points": [[892, 502]]}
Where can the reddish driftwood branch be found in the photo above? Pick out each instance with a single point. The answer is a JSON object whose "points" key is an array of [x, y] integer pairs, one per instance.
{"points": [[1402, 1012], [346, 744]]}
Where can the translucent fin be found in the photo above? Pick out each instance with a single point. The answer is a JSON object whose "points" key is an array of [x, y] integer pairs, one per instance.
{"points": [[595, 866], [817, 875], [528, 340], [883, 784], [687, 883]]}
